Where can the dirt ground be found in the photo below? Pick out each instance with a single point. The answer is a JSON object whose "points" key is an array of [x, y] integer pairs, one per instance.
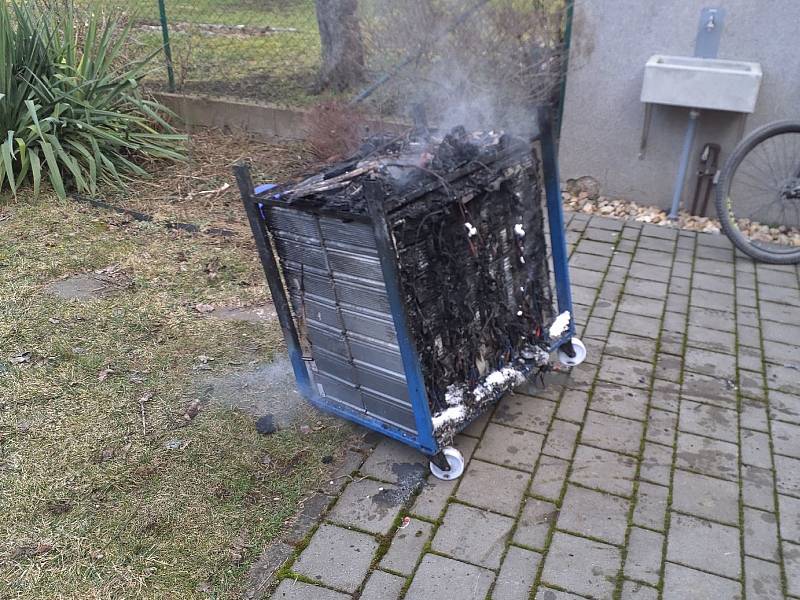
{"points": [[135, 360]]}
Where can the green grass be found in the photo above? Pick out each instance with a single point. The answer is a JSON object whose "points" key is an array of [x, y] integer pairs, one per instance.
{"points": [[94, 503]]}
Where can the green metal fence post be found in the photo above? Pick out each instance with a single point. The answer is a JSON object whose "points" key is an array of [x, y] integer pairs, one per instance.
{"points": [[162, 9]]}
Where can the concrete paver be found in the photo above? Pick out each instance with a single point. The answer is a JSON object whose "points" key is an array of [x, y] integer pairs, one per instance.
{"points": [[653, 465]]}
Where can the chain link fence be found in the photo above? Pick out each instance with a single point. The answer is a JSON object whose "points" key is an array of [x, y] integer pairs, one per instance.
{"points": [[484, 56]]}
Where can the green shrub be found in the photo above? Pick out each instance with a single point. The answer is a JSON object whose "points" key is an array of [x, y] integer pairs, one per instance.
{"points": [[69, 111]]}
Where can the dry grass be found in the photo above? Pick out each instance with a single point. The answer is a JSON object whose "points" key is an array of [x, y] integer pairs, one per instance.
{"points": [[107, 491]]}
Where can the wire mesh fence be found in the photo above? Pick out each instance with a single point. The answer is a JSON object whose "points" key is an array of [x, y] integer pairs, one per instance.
{"points": [[484, 56]]}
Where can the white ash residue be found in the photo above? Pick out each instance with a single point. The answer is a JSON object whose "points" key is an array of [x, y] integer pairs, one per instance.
{"points": [[452, 415], [560, 325]]}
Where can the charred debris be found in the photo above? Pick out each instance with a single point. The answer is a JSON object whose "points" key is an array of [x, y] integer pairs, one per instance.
{"points": [[464, 214]]}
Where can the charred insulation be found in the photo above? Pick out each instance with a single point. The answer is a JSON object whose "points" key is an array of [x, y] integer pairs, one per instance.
{"points": [[465, 216]]}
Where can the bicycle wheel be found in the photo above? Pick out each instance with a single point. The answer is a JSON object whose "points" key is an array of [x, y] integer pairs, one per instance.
{"points": [[758, 194]]}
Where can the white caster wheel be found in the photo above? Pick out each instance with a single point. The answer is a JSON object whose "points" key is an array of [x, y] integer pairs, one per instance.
{"points": [[454, 459], [579, 351]]}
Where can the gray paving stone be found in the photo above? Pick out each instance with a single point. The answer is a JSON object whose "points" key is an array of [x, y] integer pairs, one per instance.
{"points": [[666, 395], [612, 433], [645, 288], [535, 522], [706, 497], [393, 461], [587, 278], [713, 283], [758, 487], [754, 415], [591, 262], [709, 390], [581, 566], [750, 358], [761, 534], [603, 470], [624, 371], [656, 463], [755, 449], [594, 514], [677, 302], [582, 377], [711, 339], [682, 583], [790, 519], [383, 586], [751, 384], [368, 505], [658, 244], [669, 367], [783, 378], [709, 420], [478, 426], [493, 487], [633, 590], [572, 405], [763, 579], [583, 295], [643, 326], [649, 257], [619, 400], [337, 557], [473, 535], [671, 343], [549, 478], [708, 456], [591, 247], [785, 407], [406, 547], [704, 545], [626, 346], [779, 311], [440, 577], [744, 296], [713, 364], [714, 267], [510, 446], [643, 561], [651, 505], [713, 300], [525, 412], [289, 589], [639, 305], [674, 322], [781, 354], [791, 561], [661, 426], [516, 575], [561, 439], [544, 593], [786, 333], [712, 318], [786, 438]]}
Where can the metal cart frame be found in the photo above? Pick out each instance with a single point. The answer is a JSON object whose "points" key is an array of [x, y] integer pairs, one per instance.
{"points": [[424, 440]]}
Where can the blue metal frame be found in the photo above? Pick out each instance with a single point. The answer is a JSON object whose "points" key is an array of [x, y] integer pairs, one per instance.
{"points": [[424, 440], [555, 218]]}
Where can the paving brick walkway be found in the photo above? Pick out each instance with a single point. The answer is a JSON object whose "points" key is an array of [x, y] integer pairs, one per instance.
{"points": [[666, 466]]}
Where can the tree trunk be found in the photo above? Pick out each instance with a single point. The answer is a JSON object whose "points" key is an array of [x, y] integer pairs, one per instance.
{"points": [[342, 46]]}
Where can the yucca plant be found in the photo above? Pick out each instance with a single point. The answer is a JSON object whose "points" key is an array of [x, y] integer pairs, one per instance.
{"points": [[70, 113]]}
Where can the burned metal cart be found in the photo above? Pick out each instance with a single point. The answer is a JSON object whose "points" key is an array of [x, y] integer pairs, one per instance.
{"points": [[412, 282]]}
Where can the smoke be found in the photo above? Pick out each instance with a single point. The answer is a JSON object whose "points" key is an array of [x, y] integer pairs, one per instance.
{"points": [[488, 72]]}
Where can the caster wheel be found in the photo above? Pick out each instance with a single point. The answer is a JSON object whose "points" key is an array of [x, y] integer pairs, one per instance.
{"points": [[578, 351], [456, 462]]}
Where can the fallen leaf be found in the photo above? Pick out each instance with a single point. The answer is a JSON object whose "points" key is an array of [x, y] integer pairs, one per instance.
{"points": [[204, 308], [192, 410], [54, 321]]}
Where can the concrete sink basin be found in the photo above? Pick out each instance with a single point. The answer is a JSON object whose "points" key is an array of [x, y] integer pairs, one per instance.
{"points": [[705, 83]]}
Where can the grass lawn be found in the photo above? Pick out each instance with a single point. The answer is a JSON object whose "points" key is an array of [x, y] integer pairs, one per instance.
{"points": [[107, 489]]}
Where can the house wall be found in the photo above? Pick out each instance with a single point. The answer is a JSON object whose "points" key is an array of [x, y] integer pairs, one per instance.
{"points": [[603, 117]]}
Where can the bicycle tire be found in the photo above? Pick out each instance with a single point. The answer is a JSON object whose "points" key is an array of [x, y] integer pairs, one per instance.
{"points": [[722, 199]]}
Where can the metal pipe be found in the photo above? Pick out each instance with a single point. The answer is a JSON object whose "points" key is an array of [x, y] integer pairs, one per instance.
{"points": [[162, 10], [555, 216], [683, 166], [562, 99]]}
